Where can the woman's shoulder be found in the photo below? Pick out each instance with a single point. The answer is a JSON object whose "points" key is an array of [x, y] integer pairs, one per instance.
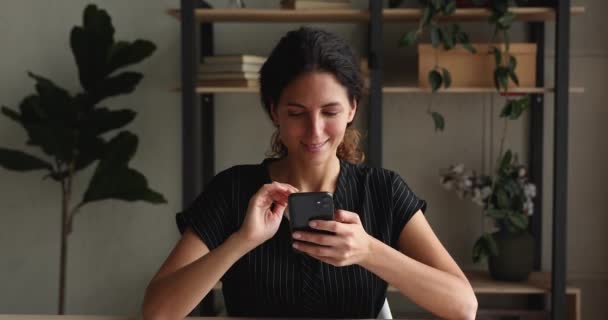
{"points": [[372, 174], [242, 172]]}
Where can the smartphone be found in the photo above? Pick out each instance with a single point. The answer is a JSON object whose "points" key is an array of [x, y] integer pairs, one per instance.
{"points": [[306, 206]]}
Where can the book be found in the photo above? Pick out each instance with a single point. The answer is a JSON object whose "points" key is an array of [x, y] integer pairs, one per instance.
{"points": [[232, 67], [229, 76], [234, 59]]}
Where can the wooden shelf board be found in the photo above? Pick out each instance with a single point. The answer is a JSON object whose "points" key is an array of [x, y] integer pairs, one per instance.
{"points": [[397, 89], [414, 89], [357, 15]]}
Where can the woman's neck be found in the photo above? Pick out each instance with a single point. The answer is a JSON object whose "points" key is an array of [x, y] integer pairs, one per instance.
{"points": [[306, 176]]}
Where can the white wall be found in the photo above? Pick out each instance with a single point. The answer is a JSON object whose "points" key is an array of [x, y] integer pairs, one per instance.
{"points": [[117, 246]]}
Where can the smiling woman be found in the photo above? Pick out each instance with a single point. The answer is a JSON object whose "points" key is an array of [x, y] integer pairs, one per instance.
{"points": [[236, 230]]}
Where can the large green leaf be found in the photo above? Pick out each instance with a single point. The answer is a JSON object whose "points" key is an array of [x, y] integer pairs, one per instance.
{"points": [[124, 184], [55, 102], [122, 83], [55, 141], [124, 53], [91, 44], [119, 151], [31, 111], [102, 120], [90, 148], [21, 161], [11, 114], [114, 180]]}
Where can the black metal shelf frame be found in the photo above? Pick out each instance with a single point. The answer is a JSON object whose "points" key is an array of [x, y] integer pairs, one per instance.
{"points": [[198, 138]]}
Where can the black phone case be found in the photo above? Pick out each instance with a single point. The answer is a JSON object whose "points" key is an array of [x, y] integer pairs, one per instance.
{"points": [[306, 206]]}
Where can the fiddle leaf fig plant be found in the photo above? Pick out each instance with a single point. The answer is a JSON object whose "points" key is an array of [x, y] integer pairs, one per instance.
{"points": [[72, 129]]}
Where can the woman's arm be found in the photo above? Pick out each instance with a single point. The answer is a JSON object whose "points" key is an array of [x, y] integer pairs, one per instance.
{"points": [[191, 270], [423, 271], [188, 275]]}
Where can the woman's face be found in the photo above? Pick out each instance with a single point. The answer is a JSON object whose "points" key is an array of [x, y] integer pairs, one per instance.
{"points": [[312, 115]]}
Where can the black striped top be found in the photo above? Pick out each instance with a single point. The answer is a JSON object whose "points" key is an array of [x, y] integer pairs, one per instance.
{"points": [[274, 281]]}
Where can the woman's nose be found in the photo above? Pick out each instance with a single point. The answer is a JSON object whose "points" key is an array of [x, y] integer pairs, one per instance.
{"points": [[315, 125]]}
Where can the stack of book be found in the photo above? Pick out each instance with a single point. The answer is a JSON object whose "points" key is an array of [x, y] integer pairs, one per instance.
{"points": [[315, 4], [230, 71]]}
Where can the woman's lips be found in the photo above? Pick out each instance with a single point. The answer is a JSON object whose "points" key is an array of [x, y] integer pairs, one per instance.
{"points": [[314, 147]]}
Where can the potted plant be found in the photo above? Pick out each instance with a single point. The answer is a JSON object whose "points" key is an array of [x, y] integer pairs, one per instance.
{"points": [[506, 198], [71, 129]]}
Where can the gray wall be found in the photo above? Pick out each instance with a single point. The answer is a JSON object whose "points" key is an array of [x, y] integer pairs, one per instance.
{"points": [[116, 246]]}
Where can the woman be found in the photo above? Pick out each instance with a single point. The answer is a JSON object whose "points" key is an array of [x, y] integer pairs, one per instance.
{"points": [[235, 231]]}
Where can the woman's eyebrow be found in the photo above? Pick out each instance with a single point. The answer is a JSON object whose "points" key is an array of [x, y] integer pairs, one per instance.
{"points": [[327, 105]]}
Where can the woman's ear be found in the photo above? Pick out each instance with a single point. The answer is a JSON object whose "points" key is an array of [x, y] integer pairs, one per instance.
{"points": [[274, 115], [352, 112]]}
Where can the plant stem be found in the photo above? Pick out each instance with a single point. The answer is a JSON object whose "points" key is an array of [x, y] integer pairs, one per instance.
{"points": [[64, 245]]}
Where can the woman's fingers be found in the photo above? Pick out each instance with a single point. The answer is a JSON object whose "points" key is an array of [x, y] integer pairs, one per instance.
{"points": [[317, 238]]}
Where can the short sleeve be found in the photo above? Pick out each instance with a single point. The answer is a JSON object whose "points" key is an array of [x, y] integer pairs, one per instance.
{"points": [[404, 205], [211, 215]]}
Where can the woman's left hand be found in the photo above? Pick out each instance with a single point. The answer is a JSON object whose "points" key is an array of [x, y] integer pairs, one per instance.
{"points": [[349, 245]]}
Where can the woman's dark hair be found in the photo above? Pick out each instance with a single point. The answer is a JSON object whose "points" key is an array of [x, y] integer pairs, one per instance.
{"points": [[306, 50]]}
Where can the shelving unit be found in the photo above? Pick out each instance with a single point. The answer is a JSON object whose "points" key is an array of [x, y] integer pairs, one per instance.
{"points": [[358, 16], [197, 118], [401, 89]]}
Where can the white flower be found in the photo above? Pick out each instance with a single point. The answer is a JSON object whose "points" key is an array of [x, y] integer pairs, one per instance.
{"points": [[530, 190], [528, 207], [522, 172], [477, 197], [486, 192], [459, 168], [448, 184]]}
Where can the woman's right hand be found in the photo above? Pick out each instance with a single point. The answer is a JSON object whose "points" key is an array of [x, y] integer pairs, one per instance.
{"points": [[262, 219]]}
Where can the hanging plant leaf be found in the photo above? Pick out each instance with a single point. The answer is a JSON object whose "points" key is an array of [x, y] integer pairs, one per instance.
{"points": [[484, 247], [447, 78], [497, 213], [435, 80], [449, 8], [21, 161], [435, 35], [512, 63], [427, 15], [448, 40], [409, 39], [519, 221], [438, 120], [497, 56], [514, 77]]}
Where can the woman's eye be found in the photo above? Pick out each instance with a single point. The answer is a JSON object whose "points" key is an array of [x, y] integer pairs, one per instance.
{"points": [[295, 114], [331, 114]]}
